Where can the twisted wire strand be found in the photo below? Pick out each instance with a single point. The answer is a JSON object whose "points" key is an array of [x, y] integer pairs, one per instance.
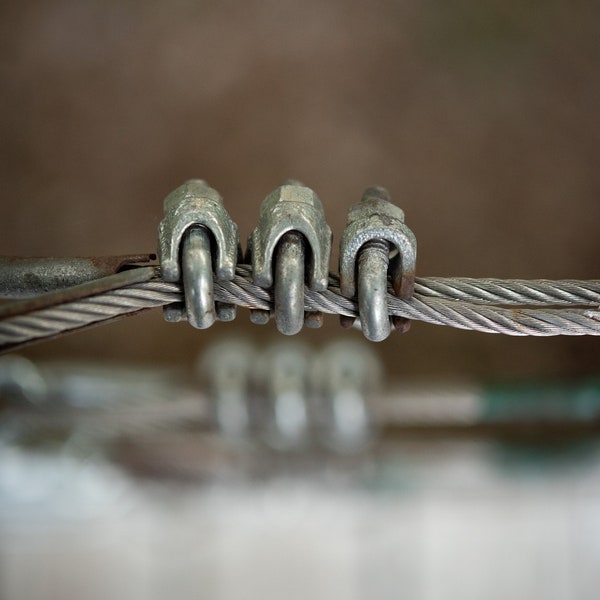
{"points": [[511, 291], [460, 314], [462, 303]]}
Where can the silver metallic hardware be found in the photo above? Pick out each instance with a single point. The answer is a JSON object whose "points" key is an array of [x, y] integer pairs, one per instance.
{"points": [[376, 244], [289, 283], [197, 278], [290, 245], [345, 377], [197, 228]]}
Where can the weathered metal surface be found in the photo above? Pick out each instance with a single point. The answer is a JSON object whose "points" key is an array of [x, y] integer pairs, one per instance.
{"points": [[259, 316], [198, 278], [290, 244], [83, 290], [313, 319], [195, 203], [375, 245], [291, 207], [376, 218], [373, 261], [189, 207], [289, 283], [27, 277]]}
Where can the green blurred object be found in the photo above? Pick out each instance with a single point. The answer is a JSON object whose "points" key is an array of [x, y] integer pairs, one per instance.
{"points": [[549, 401], [542, 400]]}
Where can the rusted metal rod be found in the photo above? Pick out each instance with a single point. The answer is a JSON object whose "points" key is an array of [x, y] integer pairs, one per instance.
{"points": [[27, 277]]}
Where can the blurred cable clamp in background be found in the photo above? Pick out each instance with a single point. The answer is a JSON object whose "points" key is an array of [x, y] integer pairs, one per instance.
{"points": [[202, 275], [241, 406]]}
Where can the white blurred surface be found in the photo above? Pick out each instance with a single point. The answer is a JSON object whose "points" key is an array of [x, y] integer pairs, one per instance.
{"points": [[441, 523]]}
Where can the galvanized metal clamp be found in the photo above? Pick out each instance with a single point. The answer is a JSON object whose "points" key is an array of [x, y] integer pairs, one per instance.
{"points": [[196, 237], [290, 247], [376, 244], [290, 244]]}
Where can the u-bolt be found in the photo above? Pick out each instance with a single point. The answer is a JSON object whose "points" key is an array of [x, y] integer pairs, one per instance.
{"points": [[372, 268], [289, 283], [198, 278], [375, 245], [290, 246]]}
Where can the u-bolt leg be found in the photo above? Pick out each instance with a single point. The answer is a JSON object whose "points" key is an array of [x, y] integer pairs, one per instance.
{"points": [[197, 275], [289, 283], [373, 261]]}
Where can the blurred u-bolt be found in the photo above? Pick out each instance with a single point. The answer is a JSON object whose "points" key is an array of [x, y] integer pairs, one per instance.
{"points": [[375, 245], [290, 244], [195, 237]]}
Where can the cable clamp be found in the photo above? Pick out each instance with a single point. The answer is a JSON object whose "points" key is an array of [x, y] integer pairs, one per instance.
{"points": [[376, 246], [290, 245], [197, 238]]}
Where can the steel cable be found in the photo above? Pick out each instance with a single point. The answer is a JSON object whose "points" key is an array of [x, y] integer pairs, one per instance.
{"points": [[456, 302], [511, 291]]}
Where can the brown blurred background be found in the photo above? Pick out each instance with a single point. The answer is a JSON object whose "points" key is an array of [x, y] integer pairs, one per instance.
{"points": [[481, 118]]}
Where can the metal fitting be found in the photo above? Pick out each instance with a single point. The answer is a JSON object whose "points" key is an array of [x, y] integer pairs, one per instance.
{"points": [[28, 277], [196, 237], [345, 376], [290, 245], [375, 245]]}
